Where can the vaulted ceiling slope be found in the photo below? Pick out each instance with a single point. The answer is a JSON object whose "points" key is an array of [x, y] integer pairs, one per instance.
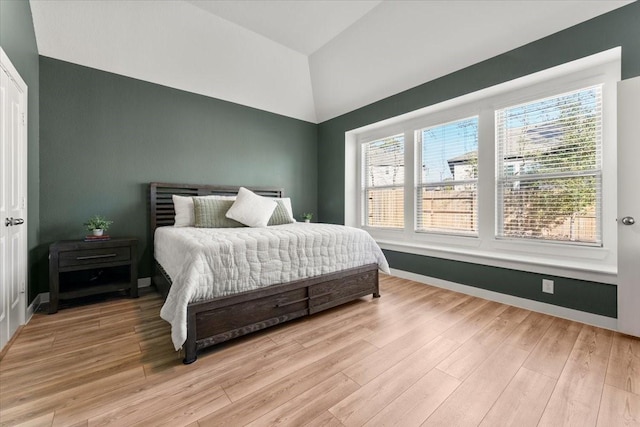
{"points": [[311, 60]]}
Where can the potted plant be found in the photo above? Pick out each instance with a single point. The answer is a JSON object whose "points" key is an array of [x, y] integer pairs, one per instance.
{"points": [[98, 225], [307, 217]]}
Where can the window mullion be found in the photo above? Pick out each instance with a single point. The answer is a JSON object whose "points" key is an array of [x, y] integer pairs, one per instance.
{"points": [[409, 177], [486, 175]]}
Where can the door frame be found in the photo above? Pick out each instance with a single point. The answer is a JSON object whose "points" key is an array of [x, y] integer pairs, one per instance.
{"points": [[12, 72]]}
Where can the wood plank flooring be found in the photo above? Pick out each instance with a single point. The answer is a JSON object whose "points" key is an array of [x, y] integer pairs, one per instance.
{"points": [[419, 355]]}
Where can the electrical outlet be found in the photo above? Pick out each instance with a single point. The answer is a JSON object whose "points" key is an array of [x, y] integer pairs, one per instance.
{"points": [[547, 286]]}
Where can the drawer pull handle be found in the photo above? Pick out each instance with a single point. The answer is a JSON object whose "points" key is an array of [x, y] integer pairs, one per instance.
{"points": [[322, 295], [81, 258], [284, 304]]}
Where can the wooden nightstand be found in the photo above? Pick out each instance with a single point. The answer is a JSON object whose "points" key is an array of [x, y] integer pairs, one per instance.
{"points": [[78, 269]]}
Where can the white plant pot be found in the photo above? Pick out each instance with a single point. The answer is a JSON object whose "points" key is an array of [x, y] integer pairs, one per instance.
{"points": [[98, 232], [307, 221]]}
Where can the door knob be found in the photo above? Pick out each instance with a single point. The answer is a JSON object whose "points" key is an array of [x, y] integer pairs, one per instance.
{"points": [[628, 220], [8, 222]]}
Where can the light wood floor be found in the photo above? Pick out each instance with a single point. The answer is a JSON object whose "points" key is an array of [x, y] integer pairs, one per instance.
{"points": [[417, 356]]}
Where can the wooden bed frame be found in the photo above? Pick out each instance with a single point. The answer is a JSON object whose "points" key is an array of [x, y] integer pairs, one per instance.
{"points": [[220, 319]]}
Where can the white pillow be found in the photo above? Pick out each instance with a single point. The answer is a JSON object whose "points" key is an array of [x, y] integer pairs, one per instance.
{"points": [[251, 209], [183, 206], [184, 211]]}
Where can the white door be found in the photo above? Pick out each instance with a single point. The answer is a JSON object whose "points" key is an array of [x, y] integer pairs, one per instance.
{"points": [[13, 190], [629, 206]]}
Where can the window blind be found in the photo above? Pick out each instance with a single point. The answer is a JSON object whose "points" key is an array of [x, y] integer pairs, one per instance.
{"points": [[383, 182], [446, 190], [549, 167]]}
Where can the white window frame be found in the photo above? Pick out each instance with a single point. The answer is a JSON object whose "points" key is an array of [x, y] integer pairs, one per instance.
{"points": [[586, 263]]}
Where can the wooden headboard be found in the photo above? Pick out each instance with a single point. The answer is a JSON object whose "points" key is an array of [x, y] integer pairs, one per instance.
{"points": [[162, 211]]}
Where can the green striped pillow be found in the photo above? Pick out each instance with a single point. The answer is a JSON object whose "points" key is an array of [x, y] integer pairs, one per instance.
{"points": [[280, 215], [210, 213]]}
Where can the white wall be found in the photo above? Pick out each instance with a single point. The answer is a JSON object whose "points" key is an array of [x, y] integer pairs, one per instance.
{"points": [[402, 44], [175, 44]]}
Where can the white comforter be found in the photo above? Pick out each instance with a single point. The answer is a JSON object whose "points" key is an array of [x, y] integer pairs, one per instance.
{"points": [[204, 263]]}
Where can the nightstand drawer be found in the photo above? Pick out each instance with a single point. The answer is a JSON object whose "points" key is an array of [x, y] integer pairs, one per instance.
{"points": [[94, 256]]}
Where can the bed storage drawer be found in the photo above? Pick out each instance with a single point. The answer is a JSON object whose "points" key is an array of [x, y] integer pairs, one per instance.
{"points": [[220, 319], [242, 317], [330, 294]]}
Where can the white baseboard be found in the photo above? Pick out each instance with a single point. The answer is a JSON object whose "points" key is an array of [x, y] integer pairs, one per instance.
{"points": [[33, 307], [541, 307]]}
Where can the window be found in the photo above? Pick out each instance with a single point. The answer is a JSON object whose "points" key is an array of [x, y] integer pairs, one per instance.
{"points": [[383, 182], [549, 168], [519, 175], [446, 190]]}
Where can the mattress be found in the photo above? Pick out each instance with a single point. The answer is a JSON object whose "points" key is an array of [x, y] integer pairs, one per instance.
{"points": [[204, 263]]}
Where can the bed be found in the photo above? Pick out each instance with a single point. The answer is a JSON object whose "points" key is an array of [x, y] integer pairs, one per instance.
{"points": [[208, 320]]}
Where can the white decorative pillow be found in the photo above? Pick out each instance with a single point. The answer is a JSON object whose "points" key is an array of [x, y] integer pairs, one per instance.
{"points": [[184, 211], [251, 209], [183, 206]]}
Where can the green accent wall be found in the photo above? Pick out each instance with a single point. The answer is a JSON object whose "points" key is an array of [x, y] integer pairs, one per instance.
{"points": [[18, 40], [591, 297], [620, 27], [104, 137]]}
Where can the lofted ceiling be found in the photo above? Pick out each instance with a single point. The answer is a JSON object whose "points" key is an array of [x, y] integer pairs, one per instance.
{"points": [[308, 59], [304, 26]]}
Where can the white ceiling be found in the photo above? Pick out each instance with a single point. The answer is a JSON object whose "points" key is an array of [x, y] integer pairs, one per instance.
{"points": [[304, 26], [309, 59]]}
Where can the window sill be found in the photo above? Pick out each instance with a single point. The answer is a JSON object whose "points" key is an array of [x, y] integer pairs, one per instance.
{"points": [[581, 269]]}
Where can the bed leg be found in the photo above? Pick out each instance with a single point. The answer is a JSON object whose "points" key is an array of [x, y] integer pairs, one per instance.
{"points": [[190, 353], [376, 286], [190, 349], [189, 361], [190, 346]]}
